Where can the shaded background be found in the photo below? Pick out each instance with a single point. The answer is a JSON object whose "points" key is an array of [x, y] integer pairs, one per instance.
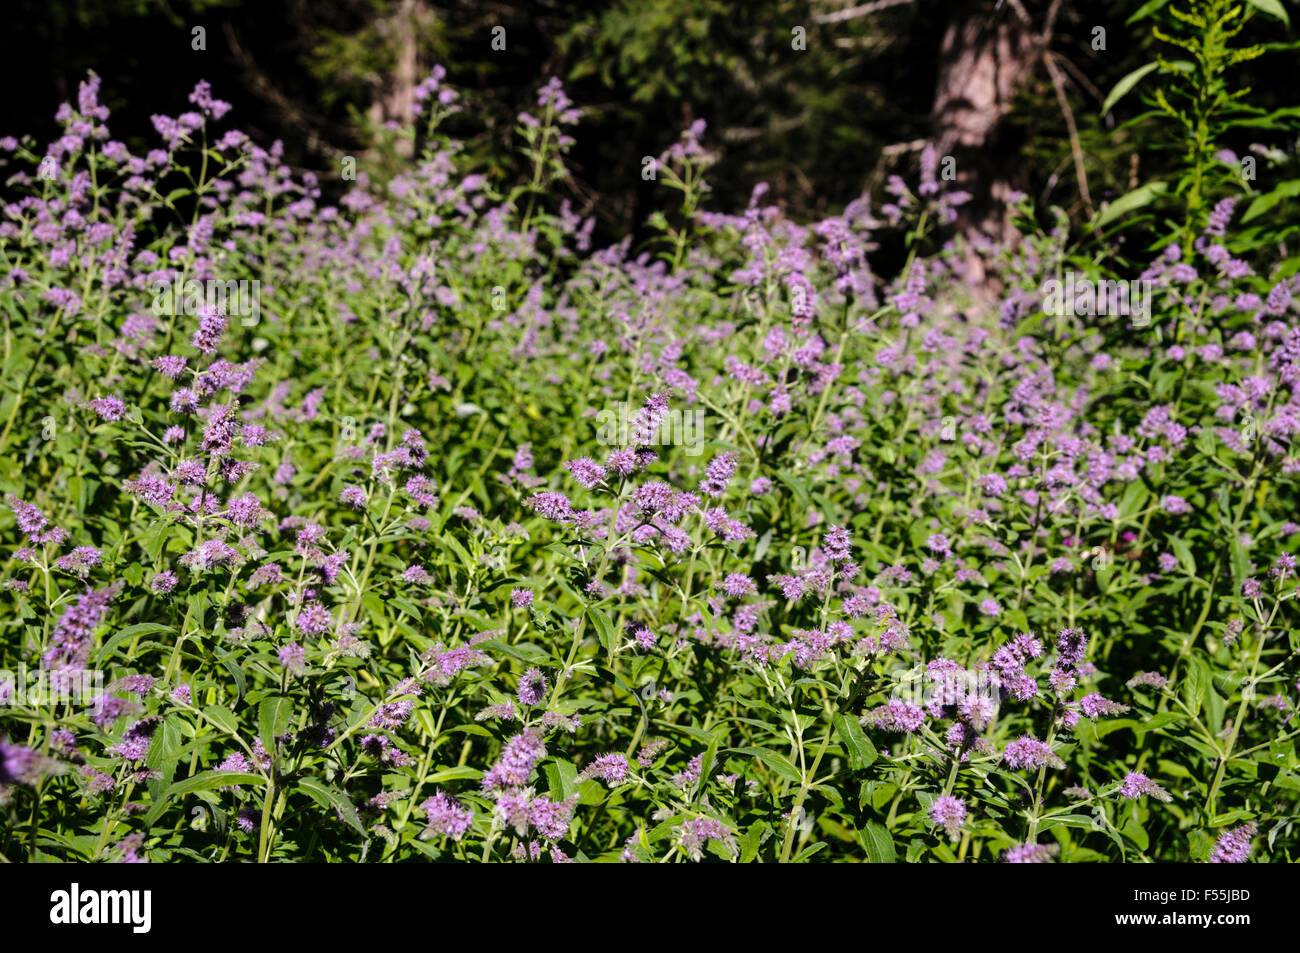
{"points": [[995, 84]]}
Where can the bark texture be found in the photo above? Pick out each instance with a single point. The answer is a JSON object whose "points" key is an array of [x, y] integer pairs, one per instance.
{"points": [[987, 54]]}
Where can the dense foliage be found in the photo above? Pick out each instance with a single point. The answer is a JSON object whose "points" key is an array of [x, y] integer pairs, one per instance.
{"points": [[452, 538], [820, 100]]}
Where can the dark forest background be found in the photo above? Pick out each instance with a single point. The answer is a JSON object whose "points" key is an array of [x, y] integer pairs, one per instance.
{"points": [[1013, 89]]}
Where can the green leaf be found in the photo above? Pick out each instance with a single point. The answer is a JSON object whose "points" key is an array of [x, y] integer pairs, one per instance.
{"points": [[130, 632], [605, 629], [454, 774], [207, 780], [561, 779], [798, 487], [1132, 501], [1161, 719], [860, 750], [1184, 553], [223, 718], [1083, 821], [808, 851], [1112, 725], [878, 843], [751, 840], [1135, 832], [231, 666], [1200, 845], [273, 718], [203, 781], [1144, 11], [460, 551], [1142, 195], [706, 764], [164, 750], [777, 763], [1287, 190], [1273, 8], [1126, 84], [1196, 684], [326, 795]]}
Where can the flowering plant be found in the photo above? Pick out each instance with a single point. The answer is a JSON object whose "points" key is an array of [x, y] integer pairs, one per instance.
{"points": [[354, 575]]}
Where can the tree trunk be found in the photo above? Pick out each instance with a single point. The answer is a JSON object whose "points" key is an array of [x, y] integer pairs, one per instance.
{"points": [[987, 53], [394, 101]]}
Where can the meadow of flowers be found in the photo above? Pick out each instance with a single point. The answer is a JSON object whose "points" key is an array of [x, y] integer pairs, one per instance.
{"points": [[471, 542]]}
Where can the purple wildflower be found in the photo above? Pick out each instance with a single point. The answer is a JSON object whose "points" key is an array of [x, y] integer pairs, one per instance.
{"points": [[1136, 785], [313, 619], [586, 471], [208, 336], [108, 408], [1095, 706], [444, 815], [611, 768], [552, 818], [294, 658], [518, 758], [532, 688], [1233, 846], [699, 831], [1029, 752], [1030, 854], [716, 476], [895, 716], [949, 813]]}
